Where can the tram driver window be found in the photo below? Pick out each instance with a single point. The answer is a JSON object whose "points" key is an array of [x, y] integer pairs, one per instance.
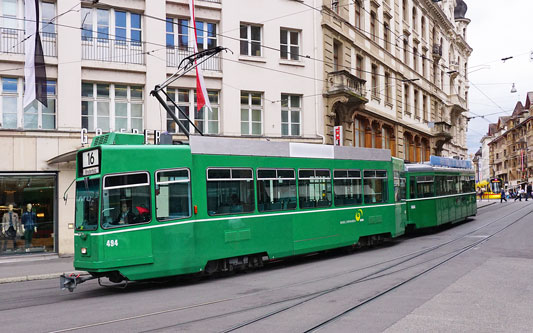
{"points": [[276, 189], [126, 200], [375, 186], [230, 191], [347, 187], [173, 194], [314, 188]]}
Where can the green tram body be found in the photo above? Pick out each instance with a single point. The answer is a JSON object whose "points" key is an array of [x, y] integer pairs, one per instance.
{"points": [[439, 195], [156, 248]]}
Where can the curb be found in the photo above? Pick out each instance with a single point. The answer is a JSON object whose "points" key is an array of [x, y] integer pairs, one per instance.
{"points": [[33, 277]]}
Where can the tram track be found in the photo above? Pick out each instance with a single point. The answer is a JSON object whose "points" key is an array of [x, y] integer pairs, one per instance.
{"points": [[452, 254], [301, 299]]}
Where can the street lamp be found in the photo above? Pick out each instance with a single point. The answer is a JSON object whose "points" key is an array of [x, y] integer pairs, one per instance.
{"points": [[513, 89]]}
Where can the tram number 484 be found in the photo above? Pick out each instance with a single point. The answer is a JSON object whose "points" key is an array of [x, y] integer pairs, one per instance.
{"points": [[111, 242]]}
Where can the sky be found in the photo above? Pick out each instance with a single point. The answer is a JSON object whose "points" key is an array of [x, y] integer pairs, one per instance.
{"points": [[499, 29]]}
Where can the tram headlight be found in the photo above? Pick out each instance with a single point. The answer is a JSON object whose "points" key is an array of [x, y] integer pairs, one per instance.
{"points": [[83, 250]]}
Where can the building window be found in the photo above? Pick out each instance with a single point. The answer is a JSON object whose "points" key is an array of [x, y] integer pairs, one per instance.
{"points": [[386, 35], [405, 53], [289, 44], [404, 10], [424, 108], [385, 138], [417, 110], [206, 35], [111, 107], [205, 119], [388, 98], [423, 27], [250, 40], [335, 6], [177, 33], [406, 108], [358, 15], [375, 82], [251, 113], [424, 57], [290, 115], [359, 66], [415, 20], [373, 32], [35, 115], [111, 35], [337, 56], [359, 133], [415, 58]]}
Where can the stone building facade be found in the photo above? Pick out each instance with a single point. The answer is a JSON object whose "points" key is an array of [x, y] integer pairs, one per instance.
{"points": [[511, 147], [396, 75]]}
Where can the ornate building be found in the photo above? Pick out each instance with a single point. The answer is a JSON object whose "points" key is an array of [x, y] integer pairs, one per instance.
{"points": [[396, 75]]}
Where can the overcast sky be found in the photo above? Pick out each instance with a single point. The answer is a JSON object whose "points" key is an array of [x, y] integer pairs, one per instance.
{"points": [[499, 29]]}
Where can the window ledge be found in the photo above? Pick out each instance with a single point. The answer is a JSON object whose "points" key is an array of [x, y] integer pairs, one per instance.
{"points": [[252, 58], [291, 62]]}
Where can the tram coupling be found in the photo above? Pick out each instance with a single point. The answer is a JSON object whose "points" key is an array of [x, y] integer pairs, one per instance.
{"points": [[72, 280]]}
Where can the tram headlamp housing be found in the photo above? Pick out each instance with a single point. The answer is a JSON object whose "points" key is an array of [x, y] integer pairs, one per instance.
{"points": [[83, 250]]}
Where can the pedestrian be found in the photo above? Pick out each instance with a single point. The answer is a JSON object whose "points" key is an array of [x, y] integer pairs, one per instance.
{"points": [[529, 190], [519, 193], [502, 195], [482, 192]]}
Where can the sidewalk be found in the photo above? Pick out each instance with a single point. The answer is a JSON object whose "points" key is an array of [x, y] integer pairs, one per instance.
{"points": [[18, 268]]}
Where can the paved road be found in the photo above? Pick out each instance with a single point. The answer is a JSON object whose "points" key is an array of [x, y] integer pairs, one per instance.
{"points": [[475, 276]]}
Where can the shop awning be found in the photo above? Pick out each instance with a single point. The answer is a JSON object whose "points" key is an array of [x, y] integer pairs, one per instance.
{"points": [[63, 158]]}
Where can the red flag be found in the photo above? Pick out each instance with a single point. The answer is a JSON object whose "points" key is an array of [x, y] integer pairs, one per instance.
{"points": [[201, 92]]}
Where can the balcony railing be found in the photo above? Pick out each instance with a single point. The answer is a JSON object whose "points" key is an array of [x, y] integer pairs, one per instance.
{"points": [[215, 1], [342, 82], [110, 50], [12, 41], [176, 54]]}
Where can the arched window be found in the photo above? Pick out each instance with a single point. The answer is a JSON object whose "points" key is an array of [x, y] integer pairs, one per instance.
{"points": [[423, 27]]}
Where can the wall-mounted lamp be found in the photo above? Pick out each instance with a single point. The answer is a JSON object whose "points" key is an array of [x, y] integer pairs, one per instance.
{"points": [[513, 89]]}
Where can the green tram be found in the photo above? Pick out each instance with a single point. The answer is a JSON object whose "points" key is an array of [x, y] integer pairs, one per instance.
{"points": [[218, 204], [439, 195]]}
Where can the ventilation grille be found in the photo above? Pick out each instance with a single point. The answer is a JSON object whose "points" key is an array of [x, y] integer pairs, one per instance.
{"points": [[100, 140]]}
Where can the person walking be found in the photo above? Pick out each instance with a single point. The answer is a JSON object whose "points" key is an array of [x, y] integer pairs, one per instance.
{"points": [[502, 195], [519, 193], [529, 190]]}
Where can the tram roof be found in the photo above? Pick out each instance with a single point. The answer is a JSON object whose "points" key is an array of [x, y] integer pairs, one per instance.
{"points": [[431, 168], [246, 147]]}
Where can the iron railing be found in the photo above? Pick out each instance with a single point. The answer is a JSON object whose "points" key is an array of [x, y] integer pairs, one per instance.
{"points": [[176, 54], [100, 49], [12, 41]]}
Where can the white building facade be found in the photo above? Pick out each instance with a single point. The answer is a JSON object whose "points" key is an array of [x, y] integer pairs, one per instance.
{"points": [[103, 60]]}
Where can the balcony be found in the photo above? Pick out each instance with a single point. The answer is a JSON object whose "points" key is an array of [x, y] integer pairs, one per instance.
{"points": [[12, 41], [442, 131], [176, 54], [437, 51], [110, 50], [458, 102], [342, 83]]}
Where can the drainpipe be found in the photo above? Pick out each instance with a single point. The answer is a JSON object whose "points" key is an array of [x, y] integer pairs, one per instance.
{"points": [[318, 94]]}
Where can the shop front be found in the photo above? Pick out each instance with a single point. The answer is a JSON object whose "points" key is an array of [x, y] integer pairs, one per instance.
{"points": [[28, 213]]}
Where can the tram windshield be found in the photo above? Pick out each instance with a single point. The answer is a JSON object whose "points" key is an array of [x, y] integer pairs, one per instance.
{"points": [[87, 197], [496, 186]]}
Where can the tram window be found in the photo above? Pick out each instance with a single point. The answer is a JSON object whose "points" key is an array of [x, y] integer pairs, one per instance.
{"points": [[399, 186], [314, 188], [441, 185], [276, 189], [375, 186], [412, 187], [347, 187], [126, 200], [230, 191], [87, 199], [173, 194], [424, 186]]}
